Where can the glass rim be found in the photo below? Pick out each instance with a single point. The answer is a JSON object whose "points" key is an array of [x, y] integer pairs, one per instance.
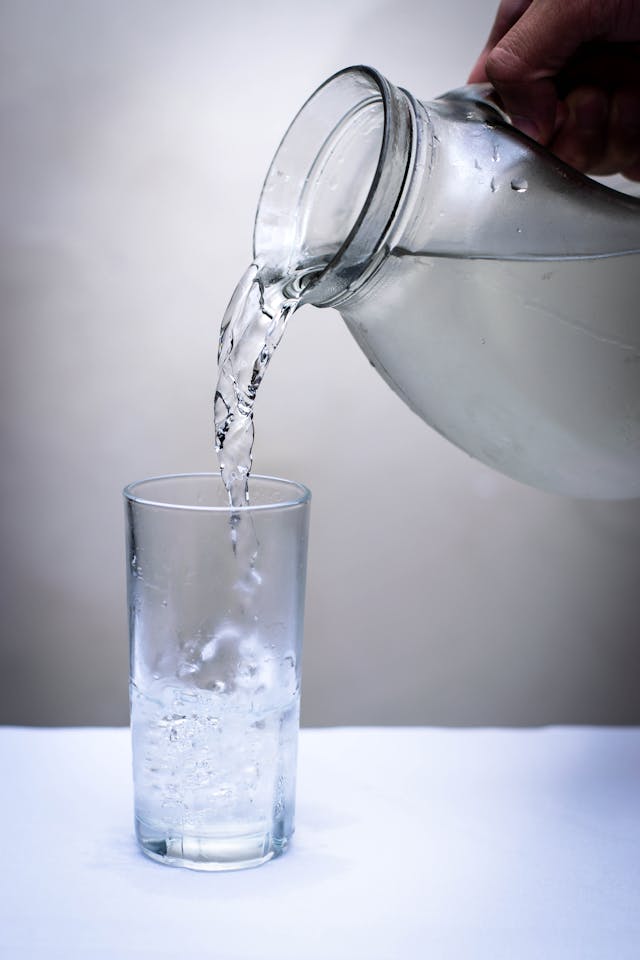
{"points": [[304, 494]]}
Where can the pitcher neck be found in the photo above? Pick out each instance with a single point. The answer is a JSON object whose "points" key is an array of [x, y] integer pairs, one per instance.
{"points": [[336, 187]]}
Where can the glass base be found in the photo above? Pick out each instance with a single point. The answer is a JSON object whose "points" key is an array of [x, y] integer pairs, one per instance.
{"points": [[209, 853]]}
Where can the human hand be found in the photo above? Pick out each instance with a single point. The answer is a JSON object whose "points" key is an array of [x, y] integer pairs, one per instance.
{"points": [[568, 73]]}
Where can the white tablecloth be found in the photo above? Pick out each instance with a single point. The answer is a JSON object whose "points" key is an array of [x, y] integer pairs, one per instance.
{"points": [[411, 843]]}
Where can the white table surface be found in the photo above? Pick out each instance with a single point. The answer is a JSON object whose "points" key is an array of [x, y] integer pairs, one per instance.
{"points": [[411, 843]]}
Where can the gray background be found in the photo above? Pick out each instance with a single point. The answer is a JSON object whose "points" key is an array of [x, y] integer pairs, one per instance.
{"points": [[135, 137]]}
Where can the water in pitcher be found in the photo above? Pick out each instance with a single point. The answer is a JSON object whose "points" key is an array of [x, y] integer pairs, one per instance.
{"points": [[529, 365]]}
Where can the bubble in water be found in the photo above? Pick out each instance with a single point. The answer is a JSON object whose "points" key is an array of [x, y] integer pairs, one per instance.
{"points": [[227, 633], [186, 670], [519, 184], [287, 674], [247, 670], [208, 651], [206, 760], [248, 583]]}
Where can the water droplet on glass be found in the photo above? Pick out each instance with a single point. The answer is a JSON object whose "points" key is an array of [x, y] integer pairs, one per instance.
{"points": [[494, 185], [519, 184]]}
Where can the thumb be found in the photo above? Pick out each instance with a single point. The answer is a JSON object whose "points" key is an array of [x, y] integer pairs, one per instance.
{"points": [[531, 106]]}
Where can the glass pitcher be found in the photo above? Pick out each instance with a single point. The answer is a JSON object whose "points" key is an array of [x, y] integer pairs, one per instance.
{"points": [[493, 287]]}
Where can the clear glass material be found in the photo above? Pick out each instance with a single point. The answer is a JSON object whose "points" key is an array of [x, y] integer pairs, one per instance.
{"points": [[493, 287], [215, 666]]}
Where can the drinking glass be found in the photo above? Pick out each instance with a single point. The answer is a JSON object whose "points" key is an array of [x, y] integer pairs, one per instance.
{"points": [[216, 598]]}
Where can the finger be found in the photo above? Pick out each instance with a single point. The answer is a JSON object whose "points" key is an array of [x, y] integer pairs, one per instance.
{"points": [[547, 34], [601, 134], [610, 66], [529, 57], [624, 130], [613, 68], [508, 13], [525, 62], [632, 173], [583, 138]]}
